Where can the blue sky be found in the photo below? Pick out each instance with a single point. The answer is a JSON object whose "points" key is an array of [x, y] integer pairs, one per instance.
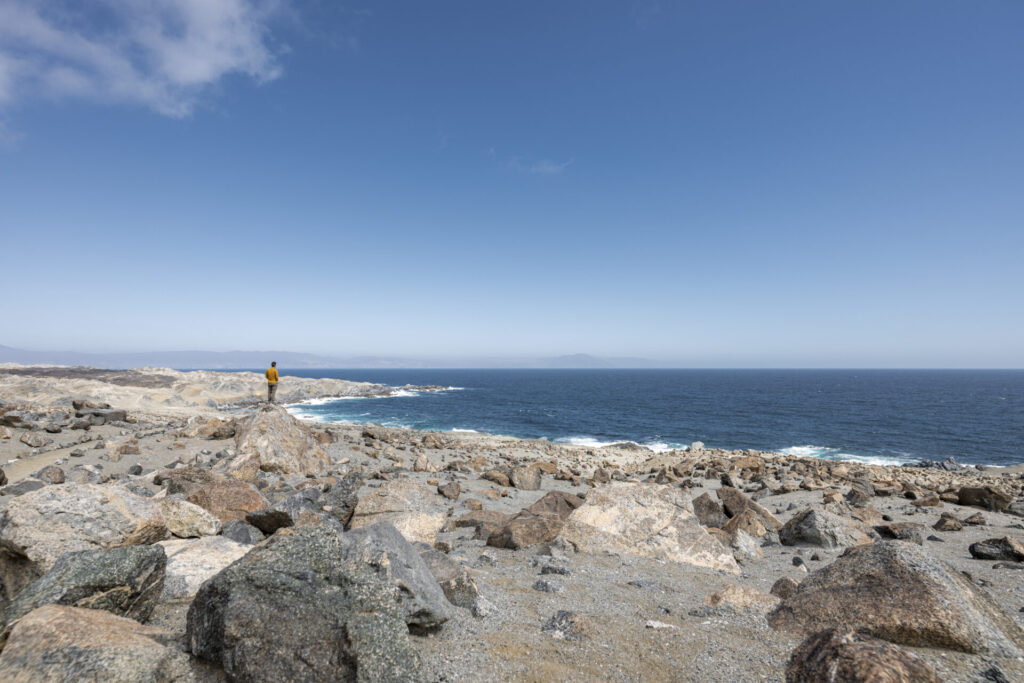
{"points": [[709, 183]]}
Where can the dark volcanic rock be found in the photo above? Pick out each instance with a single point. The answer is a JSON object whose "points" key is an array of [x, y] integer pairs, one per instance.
{"points": [[123, 581], [897, 592], [835, 656], [298, 607], [1004, 548]]}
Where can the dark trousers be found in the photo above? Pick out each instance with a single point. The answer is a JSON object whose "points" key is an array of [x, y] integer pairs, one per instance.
{"points": [[271, 391]]}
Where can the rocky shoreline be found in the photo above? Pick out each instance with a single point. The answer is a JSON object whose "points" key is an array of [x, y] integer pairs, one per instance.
{"points": [[176, 536]]}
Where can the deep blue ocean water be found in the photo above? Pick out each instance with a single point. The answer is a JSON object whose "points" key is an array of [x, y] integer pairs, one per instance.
{"points": [[886, 416]]}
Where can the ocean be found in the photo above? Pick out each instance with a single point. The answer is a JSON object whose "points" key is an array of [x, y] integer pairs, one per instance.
{"points": [[876, 416]]}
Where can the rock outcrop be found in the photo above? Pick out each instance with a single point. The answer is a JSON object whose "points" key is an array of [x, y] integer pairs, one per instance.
{"points": [[273, 441], [645, 519]]}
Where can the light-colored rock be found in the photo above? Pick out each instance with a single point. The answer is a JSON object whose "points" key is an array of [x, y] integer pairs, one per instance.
{"points": [[651, 520], [58, 643], [191, 562], [279, 443], [416, 510], [38, 527], [186, 520]]}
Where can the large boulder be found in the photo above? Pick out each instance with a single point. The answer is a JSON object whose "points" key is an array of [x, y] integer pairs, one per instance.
{"points": [[190, 562], [122, 581], [40, 526], [228, 500], [652, 520], [985, 497], [896, 591], [296, 608], [537, 523], [278, 442], [822, 528], [58, 643], [416, 510], [837, 656], [1004, 548]]}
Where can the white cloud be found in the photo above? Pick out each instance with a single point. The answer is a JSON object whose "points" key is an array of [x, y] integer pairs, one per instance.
{"points": [[163, 54]]}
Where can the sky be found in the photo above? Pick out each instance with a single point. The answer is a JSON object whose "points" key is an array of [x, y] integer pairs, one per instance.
{"points": [[710, 184]]}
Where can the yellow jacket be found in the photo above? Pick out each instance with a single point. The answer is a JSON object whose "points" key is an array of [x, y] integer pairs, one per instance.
{"points": [[271, 375]]}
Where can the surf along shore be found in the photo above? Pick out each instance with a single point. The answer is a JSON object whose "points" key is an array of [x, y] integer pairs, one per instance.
{"points": [[156, 522]]}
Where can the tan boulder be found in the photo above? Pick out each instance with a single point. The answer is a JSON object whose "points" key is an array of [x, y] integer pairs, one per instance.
{"points": [[416, 510], [228, 499], [537, 523], [58, 643], [650, 520], [735, 501], [279, 442]]}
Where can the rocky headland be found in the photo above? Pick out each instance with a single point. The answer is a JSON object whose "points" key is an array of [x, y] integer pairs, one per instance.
{"points": [[166, 526]]}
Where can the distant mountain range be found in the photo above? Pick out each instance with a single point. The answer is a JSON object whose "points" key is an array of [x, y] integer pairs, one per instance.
{"points": [[219, 360]]}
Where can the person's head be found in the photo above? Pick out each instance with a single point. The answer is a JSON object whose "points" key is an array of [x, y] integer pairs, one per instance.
{"points": [[273, 364]]}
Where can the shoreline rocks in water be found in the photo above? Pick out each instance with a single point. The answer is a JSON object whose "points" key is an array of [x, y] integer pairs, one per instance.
{"points": [[245, 544]]}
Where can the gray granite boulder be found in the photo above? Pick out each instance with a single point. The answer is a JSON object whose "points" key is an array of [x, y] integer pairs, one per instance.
{"points": [[897, 592], [297, 608]]}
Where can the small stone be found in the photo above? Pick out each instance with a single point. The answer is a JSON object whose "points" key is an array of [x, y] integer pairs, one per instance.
{"points": [[482, 608], [545, 586], [651, 623], [566, 625]]}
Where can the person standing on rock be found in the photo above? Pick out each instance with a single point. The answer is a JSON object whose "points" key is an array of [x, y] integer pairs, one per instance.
{"points": [[272, 382]]}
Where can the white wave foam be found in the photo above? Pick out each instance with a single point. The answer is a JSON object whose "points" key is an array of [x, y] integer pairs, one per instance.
{"points": [[402, 392], [465, 431], [826, 453], [591, 442]]}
